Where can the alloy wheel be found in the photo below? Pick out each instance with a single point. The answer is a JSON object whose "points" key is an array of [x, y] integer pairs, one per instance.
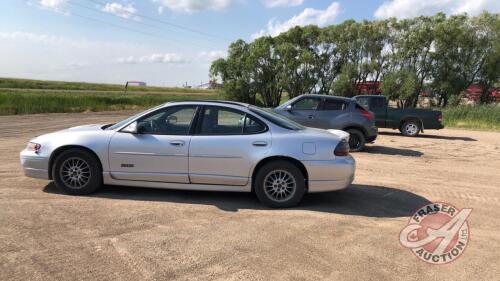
{"points": [[75, 172], [280, 185]]}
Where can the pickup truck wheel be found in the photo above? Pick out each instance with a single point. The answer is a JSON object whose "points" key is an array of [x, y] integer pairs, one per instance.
{"points": [[356, 140], [411, 128]]}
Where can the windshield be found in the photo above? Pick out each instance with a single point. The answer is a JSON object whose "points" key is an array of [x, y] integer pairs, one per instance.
{"points": [[277, 119], [124, 122]]}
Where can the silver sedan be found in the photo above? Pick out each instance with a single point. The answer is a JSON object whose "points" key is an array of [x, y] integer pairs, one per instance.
{"points": [[203, 145]]}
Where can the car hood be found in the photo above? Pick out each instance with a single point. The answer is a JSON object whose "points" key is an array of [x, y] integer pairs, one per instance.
{"points": [[91, 127]]}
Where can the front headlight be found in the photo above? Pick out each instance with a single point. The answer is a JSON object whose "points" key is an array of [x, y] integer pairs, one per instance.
{"points": [[33, 146]]}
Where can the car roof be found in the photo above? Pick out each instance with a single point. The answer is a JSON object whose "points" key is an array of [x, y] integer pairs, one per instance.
{"points": [[369, 96], [222, 102], [326, 96]]}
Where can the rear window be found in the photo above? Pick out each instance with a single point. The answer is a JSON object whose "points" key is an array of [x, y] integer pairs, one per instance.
{"points": [[276, 119], [377, 103]]}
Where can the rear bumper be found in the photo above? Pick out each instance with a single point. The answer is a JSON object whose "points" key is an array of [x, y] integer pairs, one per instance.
{"points": [[371, 134], [34, 165], [330, 175]]}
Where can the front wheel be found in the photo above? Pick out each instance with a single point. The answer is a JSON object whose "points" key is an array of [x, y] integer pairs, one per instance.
{"points": [[280, 184], [357, 140], [411, 128], [77, 172]]}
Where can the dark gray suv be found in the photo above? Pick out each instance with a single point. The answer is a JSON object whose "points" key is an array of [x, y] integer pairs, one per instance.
{"points": [[332, 112]]}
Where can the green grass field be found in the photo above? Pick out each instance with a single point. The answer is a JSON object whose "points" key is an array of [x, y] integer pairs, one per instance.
{"points": [[24, 96], [12, 103], [28, 84], [484, 117]]}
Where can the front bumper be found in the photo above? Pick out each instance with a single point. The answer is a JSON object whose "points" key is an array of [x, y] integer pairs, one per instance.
{"points": [[34, 165], [330, 175]]}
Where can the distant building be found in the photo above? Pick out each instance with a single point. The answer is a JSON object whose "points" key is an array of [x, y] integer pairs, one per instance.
{"points": [[135, 83], [210, 85], [367, 88], [473, 93]]}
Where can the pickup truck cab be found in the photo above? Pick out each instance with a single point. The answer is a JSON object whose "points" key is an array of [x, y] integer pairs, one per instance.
{"points": [[409, 121]]}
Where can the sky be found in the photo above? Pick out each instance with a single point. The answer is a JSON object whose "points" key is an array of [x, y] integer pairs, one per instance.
{"points": [[168, 42]]}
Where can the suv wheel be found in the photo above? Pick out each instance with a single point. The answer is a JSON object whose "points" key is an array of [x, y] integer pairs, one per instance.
{"points": [[279, 184], [357, 140], [411, 128], [77, 172]]}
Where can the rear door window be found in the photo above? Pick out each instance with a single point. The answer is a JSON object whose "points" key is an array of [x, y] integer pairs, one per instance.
{"points": [[224, 121], [334, 104]]}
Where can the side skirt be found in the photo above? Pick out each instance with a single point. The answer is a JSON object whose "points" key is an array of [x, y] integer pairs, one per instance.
{"points": [[107, 179]]}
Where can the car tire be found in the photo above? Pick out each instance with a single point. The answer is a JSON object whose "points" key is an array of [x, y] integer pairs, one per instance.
{"points": [[411, 128], [279, 184], [77, 172], [357, 140]]}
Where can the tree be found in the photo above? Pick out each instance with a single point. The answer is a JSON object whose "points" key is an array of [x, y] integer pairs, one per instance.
{"points": [[412, 51], [464, 54], [234, 73], [444, 55], [265, 71], [299, 65], [400, 85]]}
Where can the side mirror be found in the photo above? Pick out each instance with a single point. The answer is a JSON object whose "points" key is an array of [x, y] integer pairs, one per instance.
{"points": [[131, 128], [288, 108]]}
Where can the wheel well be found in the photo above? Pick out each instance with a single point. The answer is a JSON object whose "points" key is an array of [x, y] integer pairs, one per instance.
{"points": [[357, 128], [61, 149], [294, 161]]}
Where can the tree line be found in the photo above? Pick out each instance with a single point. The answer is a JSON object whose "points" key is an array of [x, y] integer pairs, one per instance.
{"points": [[442, 55]]}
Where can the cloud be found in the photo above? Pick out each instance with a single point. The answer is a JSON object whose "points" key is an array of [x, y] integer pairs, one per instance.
{"points": [[306, 17], [56, 5], [195, 5], [210, 56], [282, 3], [45, 39], [154, 58], [413, 8], [126, 11]]}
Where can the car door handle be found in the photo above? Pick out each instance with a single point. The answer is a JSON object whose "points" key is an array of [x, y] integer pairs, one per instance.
{"points": [[259, 143], [310, 116], [177, 143]]}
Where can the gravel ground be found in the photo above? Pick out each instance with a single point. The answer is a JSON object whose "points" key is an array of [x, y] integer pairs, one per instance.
{"points": [[124, 233]]}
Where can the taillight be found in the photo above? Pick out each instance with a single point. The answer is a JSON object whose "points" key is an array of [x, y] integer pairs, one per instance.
{"points": [[342, 148], [367, 114], [440, 118]]}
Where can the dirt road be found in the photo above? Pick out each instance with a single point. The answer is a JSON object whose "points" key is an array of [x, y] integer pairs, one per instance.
{"points": [[125, 233]]}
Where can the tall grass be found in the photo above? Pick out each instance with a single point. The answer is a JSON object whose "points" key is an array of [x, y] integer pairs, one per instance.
{"points": [[473, 117], [14, 83], [12, 103]]}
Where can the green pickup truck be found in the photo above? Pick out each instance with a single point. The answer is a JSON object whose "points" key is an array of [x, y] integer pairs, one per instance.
{"points": [[410, 122]]}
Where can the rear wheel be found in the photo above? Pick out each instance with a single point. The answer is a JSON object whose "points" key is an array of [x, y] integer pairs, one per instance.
{"points": [[280, 184], [411, 128], [77, 172], [357, 140]]}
